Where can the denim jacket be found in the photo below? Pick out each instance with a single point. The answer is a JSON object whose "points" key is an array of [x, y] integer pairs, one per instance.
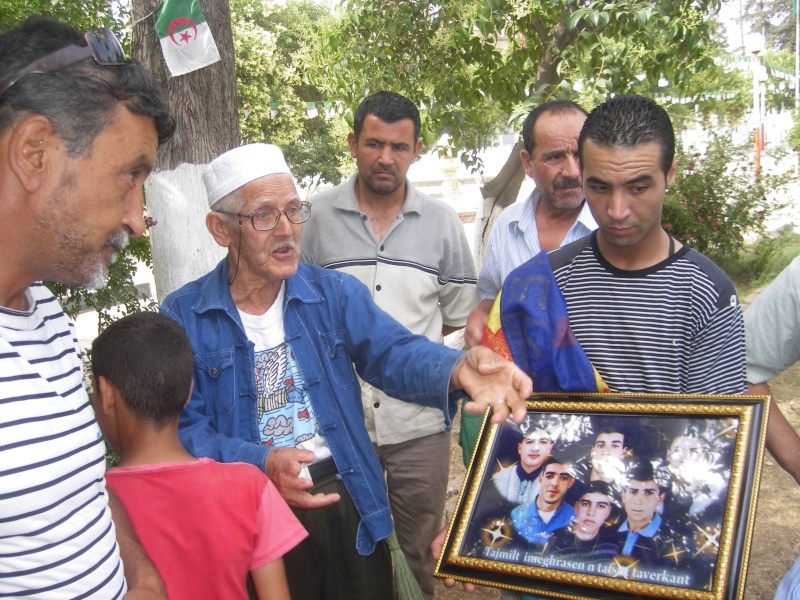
{"points": [[332, 325]]}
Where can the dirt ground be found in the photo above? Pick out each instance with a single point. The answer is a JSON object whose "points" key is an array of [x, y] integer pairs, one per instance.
{"points": [[776, 537]]}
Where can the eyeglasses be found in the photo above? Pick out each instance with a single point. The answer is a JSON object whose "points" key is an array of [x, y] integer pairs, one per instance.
{"points": [[267, 218], [102, 45]]}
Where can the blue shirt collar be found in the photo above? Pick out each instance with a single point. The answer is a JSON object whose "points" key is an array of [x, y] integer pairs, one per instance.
{"points": [[649, 530], [523, 476]]}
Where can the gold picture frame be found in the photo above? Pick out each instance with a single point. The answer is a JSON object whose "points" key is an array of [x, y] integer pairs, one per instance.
{"points": [[663, 508]]}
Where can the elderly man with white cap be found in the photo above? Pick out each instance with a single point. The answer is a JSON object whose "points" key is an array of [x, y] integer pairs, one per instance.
{"points": [[277, 345]]}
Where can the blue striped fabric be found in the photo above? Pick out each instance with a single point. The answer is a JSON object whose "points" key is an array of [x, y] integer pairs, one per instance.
{"points": [[536, 328], [56, 535]]}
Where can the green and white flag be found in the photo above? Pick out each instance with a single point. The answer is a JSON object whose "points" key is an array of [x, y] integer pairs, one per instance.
{"points": [[185, 37]]}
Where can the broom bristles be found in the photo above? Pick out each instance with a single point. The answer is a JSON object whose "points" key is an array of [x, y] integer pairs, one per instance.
{"points": [[407, 586]]}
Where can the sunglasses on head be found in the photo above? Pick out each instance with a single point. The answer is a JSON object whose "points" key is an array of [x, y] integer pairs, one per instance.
{"points": [[102, 45]]}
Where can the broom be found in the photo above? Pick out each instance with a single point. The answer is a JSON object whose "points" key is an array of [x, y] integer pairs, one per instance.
{"points": [[407, 586]]}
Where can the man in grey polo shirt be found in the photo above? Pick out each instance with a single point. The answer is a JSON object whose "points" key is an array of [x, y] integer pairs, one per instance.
{"points": [[411, 251]]}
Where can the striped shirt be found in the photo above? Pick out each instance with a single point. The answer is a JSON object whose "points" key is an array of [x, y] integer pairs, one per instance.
{"points": [[421, 273], [57, 539], [675, 327], [514, 240]]}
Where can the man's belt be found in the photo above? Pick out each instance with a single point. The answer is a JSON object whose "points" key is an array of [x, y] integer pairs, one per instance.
{"points": [[324, 468]]}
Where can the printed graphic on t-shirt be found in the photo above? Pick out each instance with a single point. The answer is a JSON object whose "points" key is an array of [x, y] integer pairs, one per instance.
{"points": [[285, 415]]}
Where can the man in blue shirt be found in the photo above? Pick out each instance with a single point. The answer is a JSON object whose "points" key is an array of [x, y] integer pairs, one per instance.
{"points": [[642, 535], [276, 350], [535, 520]]}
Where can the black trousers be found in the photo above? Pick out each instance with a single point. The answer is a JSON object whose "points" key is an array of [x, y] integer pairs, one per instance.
{"points": [[326, 565]]}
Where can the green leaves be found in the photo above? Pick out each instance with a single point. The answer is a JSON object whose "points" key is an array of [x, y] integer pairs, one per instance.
{"points": [[643, 15], [275, 45], [82, 15], [718, 199], [482, 59]]}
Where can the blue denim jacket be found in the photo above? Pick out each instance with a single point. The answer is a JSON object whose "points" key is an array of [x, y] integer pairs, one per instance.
{"points": [[332, 325]]}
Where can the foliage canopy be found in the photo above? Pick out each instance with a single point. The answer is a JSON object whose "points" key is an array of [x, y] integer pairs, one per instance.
{"points": [[774, 19], [472, 65], [273, 44], [475, 62]]}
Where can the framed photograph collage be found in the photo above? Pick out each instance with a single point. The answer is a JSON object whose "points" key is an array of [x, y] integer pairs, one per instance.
{"points": [[612, 497]]}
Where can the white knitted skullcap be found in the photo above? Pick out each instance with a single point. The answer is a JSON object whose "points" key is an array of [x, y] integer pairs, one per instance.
{"points": [[235, 168]]}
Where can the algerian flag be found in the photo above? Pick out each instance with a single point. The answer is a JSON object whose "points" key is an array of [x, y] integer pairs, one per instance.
{"points": [[185, 37]]}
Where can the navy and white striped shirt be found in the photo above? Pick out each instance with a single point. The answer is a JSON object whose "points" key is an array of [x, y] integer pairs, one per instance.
{"points": [[675, 327], [57, 539]]}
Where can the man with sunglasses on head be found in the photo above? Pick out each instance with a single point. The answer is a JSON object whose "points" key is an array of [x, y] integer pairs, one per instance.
{"points": [[79, 127], [277, 346]]}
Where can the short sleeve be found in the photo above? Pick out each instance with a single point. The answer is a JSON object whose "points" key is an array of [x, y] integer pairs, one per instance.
{"points": [[278, 529], [772, 327]]}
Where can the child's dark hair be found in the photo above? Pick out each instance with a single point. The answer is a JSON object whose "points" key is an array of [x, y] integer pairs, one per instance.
{"points": [[148, 357]]}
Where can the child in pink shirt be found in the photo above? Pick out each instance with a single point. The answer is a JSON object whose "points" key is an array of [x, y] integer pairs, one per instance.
{"points": [[205, 525]]}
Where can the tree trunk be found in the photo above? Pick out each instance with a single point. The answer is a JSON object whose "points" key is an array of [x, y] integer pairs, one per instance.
{"points": [[204, 105], [504, 189], [499, 193]]}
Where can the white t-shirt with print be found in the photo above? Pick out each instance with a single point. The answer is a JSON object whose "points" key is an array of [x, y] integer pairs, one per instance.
{"points": [[285, 414]]}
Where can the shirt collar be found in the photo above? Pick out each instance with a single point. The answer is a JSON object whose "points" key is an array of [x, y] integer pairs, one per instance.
{"points": [[527, 216], [585, 217], [649, 530], [216, 293], [524, 476]]}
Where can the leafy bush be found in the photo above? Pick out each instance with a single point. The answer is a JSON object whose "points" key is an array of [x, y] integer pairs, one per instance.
{"points": [[752, 266], [718, 201], [769, 255], [793, 137]]}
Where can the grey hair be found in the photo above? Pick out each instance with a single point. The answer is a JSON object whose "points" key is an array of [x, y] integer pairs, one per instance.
{"points": [[80, 100], [230, 203]]}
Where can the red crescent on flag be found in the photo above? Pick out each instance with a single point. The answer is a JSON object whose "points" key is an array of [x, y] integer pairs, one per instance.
{"points": [[177, 23]]}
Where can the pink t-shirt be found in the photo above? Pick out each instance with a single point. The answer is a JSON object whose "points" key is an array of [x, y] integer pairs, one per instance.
{"points": [[206, 525]]}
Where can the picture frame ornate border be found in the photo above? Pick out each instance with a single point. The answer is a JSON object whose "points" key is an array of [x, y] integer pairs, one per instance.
{"points": [[742, 419]]}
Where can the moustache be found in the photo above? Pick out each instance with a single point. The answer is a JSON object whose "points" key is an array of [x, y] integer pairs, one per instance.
{"points": [[117, 241], [289, 244], [566, 183]]}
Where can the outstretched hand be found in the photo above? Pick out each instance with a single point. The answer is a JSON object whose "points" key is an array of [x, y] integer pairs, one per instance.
{"points": [[490, 380], [283, 468]]}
